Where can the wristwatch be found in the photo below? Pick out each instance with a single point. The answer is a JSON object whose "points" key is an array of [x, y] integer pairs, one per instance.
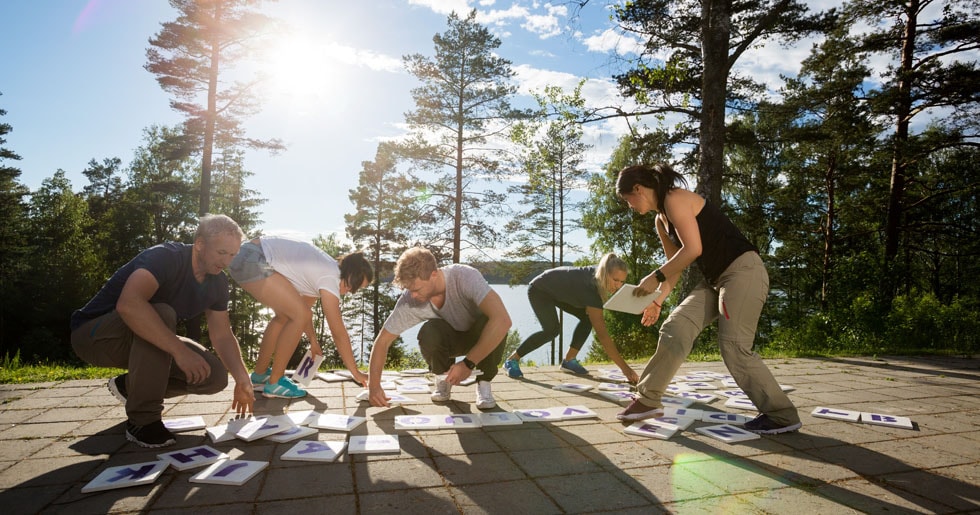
{"points": [[659, 275], [469, 364]]}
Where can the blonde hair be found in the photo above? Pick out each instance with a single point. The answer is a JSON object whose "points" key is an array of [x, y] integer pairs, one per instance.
{"points": [[609, 263], [414, 263], [210, 226]]}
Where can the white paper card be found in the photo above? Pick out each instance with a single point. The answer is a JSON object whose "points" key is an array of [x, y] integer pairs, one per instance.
{"points": [[177, 425], [500, 418], [623, 300], [674, 389], [307, 368], [332, 377], [225, 432], [651, 429], [572, 387], [836, 414], [302, 418], [419, 422], [314, 451], [616, 377], [676, 401], [125, 475], [674, 411], [293, 433], [229, 472], [263, 427], [612, 387], [725, 418], [193, 457], [727, 433], [574, 412], [424, 381], [740, 403], [704, 398], [537, 415], [413, 388], [337, 422], [463, 421], [370, 444], [678, 423], [620, 397], [880, 419], [415, 372]]}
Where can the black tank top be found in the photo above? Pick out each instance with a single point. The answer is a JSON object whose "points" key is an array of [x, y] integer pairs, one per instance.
{"points": [[721, 242]]}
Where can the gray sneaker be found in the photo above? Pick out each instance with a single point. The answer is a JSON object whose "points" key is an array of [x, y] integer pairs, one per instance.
{"points": [[443, 390]]}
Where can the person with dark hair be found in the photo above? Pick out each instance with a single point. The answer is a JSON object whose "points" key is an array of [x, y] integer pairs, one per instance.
{"points": [[289, 276], [131, 323], [579, 291], [464, 326], [733, 292]]}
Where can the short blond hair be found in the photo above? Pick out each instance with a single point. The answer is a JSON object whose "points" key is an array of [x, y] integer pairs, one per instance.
{"points": [[414, 263]]}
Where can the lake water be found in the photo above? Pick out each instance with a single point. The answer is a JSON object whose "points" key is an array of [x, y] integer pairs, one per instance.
{"points": [[524, 322]]}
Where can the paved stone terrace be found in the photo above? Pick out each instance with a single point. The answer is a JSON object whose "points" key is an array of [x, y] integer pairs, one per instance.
{"points": [[55, 437]]}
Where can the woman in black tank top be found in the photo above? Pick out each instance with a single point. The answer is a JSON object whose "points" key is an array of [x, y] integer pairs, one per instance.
{"points": [[733, 293]]}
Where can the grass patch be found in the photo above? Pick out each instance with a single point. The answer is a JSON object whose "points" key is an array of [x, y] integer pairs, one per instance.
{"points": [[13, 371]]}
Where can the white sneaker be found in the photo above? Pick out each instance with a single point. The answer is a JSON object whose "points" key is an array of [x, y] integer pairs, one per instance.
{"points": [[484, 397], [442, 392]]}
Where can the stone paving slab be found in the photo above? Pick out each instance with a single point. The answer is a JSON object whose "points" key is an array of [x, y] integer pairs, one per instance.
{"points": [[57, 436]]}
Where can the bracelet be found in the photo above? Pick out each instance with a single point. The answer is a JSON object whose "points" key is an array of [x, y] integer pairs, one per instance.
{"points": [[658, 305]]}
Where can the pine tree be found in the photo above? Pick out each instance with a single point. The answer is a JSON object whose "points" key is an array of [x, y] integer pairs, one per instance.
{"points": [[15, 253], [193, 58], [462, 104]]}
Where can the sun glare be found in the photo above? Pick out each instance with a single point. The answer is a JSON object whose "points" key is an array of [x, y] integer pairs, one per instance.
{"points": [[299, 74]]}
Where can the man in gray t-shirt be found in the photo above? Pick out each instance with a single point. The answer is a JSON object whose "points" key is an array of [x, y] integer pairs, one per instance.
{"points": [[461, 316]]}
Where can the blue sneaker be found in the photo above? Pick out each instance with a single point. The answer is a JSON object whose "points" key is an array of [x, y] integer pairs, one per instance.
{"points": [[573, 366], [513, 368], [283, 389], [259, 380]]}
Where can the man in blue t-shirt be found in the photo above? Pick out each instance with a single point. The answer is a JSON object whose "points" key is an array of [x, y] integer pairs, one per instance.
{"points": [[131, 323]]}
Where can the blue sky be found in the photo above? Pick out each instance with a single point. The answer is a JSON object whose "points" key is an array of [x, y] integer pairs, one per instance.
{"points": [[74, 87]]}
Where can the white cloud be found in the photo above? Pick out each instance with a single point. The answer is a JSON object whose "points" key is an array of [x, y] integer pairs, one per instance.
{"points": [[461, 7], [611, 41], [363, 58], [546, 25]]}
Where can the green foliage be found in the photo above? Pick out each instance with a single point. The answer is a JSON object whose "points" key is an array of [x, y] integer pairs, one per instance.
{"points": [[916, 323], [14, 371]]}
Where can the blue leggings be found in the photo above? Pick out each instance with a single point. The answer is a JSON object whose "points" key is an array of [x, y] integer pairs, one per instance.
{"points": [[544, 307]]}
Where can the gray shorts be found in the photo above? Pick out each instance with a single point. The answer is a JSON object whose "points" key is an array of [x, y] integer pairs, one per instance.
{"points": [[250, 264]]}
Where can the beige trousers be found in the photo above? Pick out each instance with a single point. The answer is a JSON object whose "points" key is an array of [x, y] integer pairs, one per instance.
{"points": [[736, 302]]}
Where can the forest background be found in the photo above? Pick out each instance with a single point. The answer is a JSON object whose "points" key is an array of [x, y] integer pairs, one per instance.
{"points": [[858, 182]]}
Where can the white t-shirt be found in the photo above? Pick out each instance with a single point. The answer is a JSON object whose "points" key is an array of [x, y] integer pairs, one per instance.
{"points": [[465, 290], [307, 267]]}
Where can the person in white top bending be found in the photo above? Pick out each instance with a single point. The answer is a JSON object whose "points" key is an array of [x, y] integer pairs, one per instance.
{"points": [[289, 276], [462, 316]]}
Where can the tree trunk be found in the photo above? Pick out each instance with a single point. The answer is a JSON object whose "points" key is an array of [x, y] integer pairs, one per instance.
{"points": [[896, 190], [828, 233], [212, 113], [716, 32]]}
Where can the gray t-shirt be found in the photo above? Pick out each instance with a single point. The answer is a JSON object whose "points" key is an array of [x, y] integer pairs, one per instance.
{"points": [[465, 290]]}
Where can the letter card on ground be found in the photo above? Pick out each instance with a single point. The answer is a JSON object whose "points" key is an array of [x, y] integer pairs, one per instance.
{"points": [[125, 475]]}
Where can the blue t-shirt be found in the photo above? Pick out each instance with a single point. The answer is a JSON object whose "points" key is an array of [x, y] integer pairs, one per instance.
{"points": [[170, 264]]}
